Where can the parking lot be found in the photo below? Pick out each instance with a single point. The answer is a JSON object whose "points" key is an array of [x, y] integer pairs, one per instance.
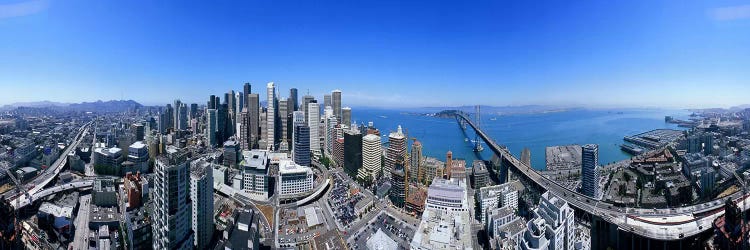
{"points": [[395, 229], [342, 201]]}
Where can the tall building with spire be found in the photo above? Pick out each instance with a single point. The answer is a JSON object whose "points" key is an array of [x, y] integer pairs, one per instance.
{"points": [[396, 150]]}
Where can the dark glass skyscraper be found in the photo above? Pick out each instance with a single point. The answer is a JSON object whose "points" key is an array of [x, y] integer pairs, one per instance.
{"points": [[294, 101], [302, 144], [352, 152]]}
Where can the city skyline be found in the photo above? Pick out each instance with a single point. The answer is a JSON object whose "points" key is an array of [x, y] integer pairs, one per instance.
{"points": [[635, 54]]}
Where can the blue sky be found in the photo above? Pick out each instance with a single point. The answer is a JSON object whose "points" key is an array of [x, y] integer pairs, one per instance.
{"points": [[381, 53]]}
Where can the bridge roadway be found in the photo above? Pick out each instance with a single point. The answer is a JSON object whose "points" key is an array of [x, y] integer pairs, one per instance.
{"points": [[51, 172], [659, 224], [56, 189]]}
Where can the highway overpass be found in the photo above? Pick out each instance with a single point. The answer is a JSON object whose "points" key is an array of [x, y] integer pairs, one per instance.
{"points": [[656, 226], [49, 174]]}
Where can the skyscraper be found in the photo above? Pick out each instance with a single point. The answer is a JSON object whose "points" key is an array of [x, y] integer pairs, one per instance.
{"points": [[283, 108], [176, 114], [307, 99], [244, 136], [211, 128], [352, 152], [301, 147], [313, 120], [246, 90], [416, 173], [293, 100], [182, 117], [202, 200], [330, 133], [397, 194], [336, 104], [590, 170], [371, 161], [163, 122], [172, 211], [222, 123], [270, 116], [193, 110], [396, 150], [211, 102], [694, 144], [346, 116], [327, 101], [169, 121], [253, 110]]}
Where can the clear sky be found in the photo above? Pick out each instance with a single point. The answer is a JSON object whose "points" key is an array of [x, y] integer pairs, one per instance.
{"points": [[381, 53]]}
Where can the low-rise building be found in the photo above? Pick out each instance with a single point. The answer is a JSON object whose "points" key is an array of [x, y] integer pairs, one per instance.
{"points": [[294, 179], [381, 241], [104, 192], [255, 178], [480, 174]]}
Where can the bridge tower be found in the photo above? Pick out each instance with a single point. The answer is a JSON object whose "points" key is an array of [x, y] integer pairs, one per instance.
{"points": [[477, 122]]}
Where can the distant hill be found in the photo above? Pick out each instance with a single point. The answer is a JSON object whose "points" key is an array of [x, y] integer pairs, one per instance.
{"points": [[97, 106], [42, 104], [106, 106]]}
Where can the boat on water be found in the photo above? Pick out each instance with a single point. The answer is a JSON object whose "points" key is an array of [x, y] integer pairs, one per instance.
{"points": [[493, 119], [384, 117]]}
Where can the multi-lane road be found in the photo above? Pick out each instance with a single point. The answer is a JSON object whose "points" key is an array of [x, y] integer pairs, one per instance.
{"points": [[49, 174]]}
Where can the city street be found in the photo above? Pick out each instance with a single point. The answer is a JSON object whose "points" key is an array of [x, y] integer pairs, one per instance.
{"points": [[81, 222]]}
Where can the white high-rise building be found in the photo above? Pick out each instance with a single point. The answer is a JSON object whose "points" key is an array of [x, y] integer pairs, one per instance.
{"points": [[504, 195], [371, 157], [396, 150], [313, 121], [270, 117], [202, 199], [553, 225], [331, 133], [172, 211]]}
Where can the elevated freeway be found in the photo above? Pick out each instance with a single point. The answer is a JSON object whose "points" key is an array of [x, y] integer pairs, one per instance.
{"points": [[665, 224], [25, 201], [49, 174]]}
